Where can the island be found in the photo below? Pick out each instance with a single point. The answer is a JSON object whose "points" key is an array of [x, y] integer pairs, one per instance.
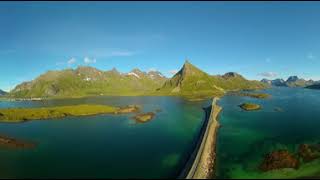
{"points": [[25, 114], [250, 106], [253, 95], [144, 117]]}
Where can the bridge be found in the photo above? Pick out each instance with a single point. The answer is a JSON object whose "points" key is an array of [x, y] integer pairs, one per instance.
{"points": [[201, 162]]}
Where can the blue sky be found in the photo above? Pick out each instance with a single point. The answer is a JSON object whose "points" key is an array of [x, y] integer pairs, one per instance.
{"points": [[257, 40]]}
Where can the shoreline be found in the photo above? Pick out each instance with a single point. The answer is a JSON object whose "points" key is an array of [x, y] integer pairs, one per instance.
{"points": [[202, 160], [15, 143], [16, 115]]}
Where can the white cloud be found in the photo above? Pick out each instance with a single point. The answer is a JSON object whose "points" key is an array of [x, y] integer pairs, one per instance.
{"points": [[87, 60], [310, 56], [173, 71], [268, 74], [72, 61]]}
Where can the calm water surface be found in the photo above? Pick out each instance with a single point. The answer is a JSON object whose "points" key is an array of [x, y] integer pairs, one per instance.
{"points": [[245, 137], [104, 146]]}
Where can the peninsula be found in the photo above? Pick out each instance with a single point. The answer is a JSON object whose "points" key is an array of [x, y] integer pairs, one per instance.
{"points": [[25, 114]]}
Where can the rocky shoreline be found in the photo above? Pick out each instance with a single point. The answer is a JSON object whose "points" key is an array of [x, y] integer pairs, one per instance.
{"points": [[15, 143]]}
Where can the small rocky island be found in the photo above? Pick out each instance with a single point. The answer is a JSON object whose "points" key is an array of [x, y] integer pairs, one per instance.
{"points": [[25, 114], [144, 117], [250, 106]]}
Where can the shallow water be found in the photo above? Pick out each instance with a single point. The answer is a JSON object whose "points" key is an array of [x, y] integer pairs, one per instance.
{"points": [[104, 146], [245, 137]]}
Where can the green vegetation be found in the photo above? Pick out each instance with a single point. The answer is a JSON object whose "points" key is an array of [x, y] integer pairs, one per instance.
{"points": [[253, 95], [145, 117], [193, 83], [250, 106], [24, 114], [189, 82], [88, 81]]}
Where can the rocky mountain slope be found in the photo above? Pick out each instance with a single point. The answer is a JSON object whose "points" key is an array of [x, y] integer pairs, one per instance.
{"points": [[292, 81], [191, 81]]}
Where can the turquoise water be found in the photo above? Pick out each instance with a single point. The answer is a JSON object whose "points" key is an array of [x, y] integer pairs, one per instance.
{"points": [[104, 146], [245, 137]]}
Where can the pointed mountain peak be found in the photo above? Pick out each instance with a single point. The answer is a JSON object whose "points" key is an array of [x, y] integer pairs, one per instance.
{"points": [[136, 70], [190, 69], [187, 63], [114, 70], [292, 78]]}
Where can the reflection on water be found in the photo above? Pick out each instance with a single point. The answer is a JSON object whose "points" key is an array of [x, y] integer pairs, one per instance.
{"points": [[104, 146]]}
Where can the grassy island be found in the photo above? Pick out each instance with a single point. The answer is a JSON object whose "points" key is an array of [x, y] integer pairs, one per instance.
{"points": [[253, 95], [250, 106], [257, 95], [25, 114]]}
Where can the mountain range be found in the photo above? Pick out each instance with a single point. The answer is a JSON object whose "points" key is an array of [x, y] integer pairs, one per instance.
{"points": [[85, 81], [2, 92], [292, 81]]}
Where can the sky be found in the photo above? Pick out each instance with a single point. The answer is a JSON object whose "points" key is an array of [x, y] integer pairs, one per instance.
{"points": [[256, 39]]}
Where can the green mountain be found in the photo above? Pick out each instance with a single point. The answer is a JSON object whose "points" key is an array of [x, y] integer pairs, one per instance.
{"points": [[191, 81], [86, 81]]}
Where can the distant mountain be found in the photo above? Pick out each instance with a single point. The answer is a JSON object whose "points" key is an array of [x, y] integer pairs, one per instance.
{"points": [[2, 92], [292, 81], [85, 81], [191, 81], [267, 81]]}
